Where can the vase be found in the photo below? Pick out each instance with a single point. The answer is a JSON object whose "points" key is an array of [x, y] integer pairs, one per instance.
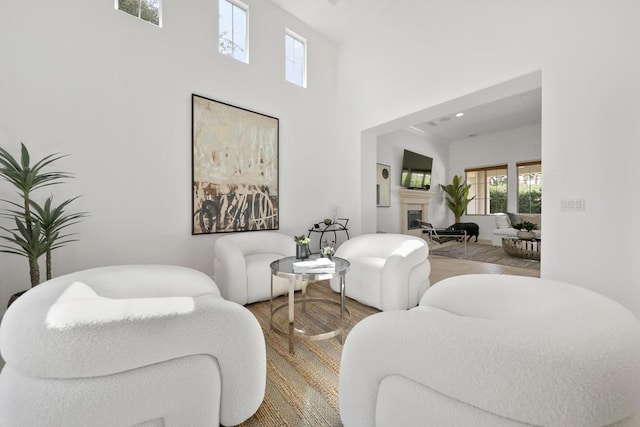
{"points": [[302, 251], [525, 235]]}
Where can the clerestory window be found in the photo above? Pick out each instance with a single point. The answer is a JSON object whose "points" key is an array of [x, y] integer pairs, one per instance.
{"points": [[147, 10], [233, 30], [295, 59]]}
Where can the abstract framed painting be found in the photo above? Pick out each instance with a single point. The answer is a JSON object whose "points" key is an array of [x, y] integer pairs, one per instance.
{"points": [[234, 168]]}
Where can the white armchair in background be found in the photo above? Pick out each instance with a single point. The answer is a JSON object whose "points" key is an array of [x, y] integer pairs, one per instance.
{"points": [[241, 265], [495, 351], [126, 345], [388, 271]]}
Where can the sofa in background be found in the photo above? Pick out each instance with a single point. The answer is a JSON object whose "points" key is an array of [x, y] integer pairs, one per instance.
{"points": [[489, 350], [504, 226], [388, 271], [130, 345]]}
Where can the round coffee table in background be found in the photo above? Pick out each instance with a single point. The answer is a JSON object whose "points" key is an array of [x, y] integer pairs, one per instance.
{"points": [[522, 248]]}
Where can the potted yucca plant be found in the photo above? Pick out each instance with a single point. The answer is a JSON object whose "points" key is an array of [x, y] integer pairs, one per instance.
{"points": [[38, 228]]}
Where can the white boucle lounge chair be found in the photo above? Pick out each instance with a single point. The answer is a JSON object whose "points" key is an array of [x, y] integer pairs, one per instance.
{"points": [[126, 345], [488, 350]]}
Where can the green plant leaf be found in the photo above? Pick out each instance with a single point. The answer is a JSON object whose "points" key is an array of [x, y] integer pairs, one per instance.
{"points": [[457, 196], [38, 228]]}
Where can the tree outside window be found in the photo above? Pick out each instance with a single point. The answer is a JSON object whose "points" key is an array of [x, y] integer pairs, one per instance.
{"points": [[489, 186], [232, 31], [530, 187], [147, 10]]}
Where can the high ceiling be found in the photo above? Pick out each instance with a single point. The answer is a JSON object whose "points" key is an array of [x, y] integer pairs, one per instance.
{"points": [[339, 19], [335, 19]]}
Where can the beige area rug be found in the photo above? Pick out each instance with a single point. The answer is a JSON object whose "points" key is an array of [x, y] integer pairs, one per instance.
{"points": [[302, 388], [484, 253]]}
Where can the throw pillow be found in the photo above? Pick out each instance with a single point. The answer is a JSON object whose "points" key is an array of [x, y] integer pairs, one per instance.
{"points": [[502, 221], [514, 218]]}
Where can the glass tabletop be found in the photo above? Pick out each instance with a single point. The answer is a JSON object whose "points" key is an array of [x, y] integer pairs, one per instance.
{"points": [[284, 268]]}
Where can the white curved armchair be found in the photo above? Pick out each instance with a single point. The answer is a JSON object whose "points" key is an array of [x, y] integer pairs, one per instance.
{"points": [[388, 271], [129, 345], [495, 351], [241, 265]]}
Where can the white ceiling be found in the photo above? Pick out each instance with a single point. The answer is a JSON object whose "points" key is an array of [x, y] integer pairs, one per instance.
{"points": [[338, 19], [508, 113]]}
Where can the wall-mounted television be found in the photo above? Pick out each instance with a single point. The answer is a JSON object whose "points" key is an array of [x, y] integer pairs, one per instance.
{"points": [[416, 171]]}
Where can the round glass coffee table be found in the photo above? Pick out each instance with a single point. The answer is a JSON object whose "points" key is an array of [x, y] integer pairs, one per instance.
{"points": [[284, 268]]}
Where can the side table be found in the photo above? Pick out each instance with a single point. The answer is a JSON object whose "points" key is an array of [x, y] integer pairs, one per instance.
{"points": [[284, 268], [339, 226]]}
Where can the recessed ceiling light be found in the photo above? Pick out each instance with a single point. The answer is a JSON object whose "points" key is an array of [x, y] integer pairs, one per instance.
{"points": [[459, 114], [445, 119]]}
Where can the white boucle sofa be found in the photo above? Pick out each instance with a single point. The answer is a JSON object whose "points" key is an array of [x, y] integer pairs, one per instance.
{"points": [[130, 345], [495, 351], [504, 228]]}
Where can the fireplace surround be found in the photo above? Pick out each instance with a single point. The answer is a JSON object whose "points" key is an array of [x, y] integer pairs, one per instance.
{"points": [[413, 200]]}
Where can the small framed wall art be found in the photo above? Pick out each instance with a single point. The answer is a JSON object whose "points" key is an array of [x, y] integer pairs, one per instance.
{"points": [[234, 168], [383, 186]]}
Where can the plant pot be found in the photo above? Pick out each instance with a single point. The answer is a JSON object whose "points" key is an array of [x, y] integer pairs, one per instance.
{"points": [[302, 251], [15, 297], [525, 235]]}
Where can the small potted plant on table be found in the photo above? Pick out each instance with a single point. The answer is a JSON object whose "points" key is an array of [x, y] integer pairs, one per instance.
{"points": [[302, 246], [525, 230]]}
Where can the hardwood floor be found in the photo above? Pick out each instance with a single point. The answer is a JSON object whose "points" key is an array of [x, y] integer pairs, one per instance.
{"points": [[443, 267]]}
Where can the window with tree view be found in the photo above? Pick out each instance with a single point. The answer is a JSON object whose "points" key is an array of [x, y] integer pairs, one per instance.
{"points": [[489, 186], [529, 187], [147, 10], [232, 32]]}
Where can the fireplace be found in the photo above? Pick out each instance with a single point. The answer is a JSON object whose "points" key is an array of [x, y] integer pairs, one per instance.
{"points": [[413, 218], [414, 205]]}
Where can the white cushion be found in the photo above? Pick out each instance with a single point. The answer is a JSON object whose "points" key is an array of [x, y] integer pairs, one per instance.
{"points": [[79, 304], [502, 221]]}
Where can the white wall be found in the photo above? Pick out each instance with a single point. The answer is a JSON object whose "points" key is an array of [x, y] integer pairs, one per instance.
{"points": [[81, 78], [508, 147], [114, 92], [587, 52], [390, 148]]}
